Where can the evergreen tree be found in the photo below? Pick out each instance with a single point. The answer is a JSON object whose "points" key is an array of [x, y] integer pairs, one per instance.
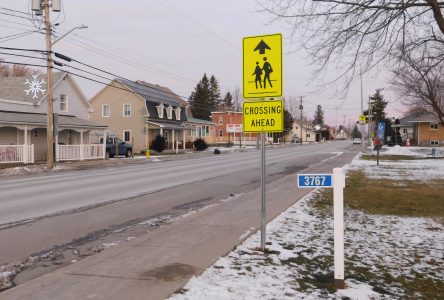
{"points": [[214, 92], [356, 133], [228, 101], [319, 116], [200, 100], [288, 124], [378, 105]]}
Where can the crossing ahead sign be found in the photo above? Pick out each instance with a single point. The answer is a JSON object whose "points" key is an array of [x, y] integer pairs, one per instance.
{"points": [[263, 116], [262, 66]]}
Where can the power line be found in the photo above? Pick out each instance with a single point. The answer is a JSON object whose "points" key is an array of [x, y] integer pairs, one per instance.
{"points": [[183, 28], [13, 10], [18, 35], [133, 63], [24, 49]]}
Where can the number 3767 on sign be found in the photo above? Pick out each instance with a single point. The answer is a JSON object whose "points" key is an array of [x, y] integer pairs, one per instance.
{"points": [[315, 180]]}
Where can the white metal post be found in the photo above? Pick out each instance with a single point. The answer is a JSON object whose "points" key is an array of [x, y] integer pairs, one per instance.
{"points": [[25, 146], [104, 144], [184, 139], [338, 217], [174, 142], [82, 154]]}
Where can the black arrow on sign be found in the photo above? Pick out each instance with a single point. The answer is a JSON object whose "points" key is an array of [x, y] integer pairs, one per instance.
{"points": [[261, 47]]}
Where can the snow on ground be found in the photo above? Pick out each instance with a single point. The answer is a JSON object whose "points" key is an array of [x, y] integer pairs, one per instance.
{"points": [[422, 170], [298, 263]]}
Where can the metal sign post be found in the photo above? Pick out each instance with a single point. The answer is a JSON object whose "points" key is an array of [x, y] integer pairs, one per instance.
{"points": [[263, 207], [262, 79]]}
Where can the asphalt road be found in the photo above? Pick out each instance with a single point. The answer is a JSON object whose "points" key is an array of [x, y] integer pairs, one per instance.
{"points": [[61, 210]]}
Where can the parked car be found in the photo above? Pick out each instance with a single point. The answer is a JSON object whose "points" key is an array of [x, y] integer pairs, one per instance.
{"points": [[295, 139], [115, 146], [356, 141]]}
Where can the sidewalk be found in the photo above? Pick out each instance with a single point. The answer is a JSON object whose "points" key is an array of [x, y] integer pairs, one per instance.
{"points": [[40, 167], [155, 265]]}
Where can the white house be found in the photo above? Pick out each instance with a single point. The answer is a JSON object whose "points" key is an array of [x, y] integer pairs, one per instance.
{"points": [[23, 107], [308, 133]]}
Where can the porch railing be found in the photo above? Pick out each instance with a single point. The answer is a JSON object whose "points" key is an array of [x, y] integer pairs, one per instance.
{"points": [[16, 154], [80, 152]]}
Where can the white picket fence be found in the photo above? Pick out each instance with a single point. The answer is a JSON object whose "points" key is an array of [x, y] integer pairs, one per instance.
{"points": [[80, 152], [16, 154]]}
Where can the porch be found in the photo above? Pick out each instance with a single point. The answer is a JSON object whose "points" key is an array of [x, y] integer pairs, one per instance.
{"points": [[23, 138], [174, 134]]}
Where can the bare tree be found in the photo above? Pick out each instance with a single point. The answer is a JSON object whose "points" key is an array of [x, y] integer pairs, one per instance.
{"points": [[237, 99], [11, 70], [420, 83], [292, 105], [358, 36]]}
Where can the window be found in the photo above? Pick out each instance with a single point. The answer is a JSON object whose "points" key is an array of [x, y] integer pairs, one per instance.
{"points": [[106, 110], [205, 130], [127, 135], [160, 110], [63, 103], [433, 125], [221, 133], [221, 121], [169, 112], [127, 110], [434, 143], [177, 112], [404, 130], [308, 135]]}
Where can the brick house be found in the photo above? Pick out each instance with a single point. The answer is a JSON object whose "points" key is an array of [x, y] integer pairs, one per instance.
{"points": [[228, 128], [427, 130]]}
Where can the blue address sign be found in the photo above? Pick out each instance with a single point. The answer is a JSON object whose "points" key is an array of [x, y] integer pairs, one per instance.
{"points": [[315, 180]]}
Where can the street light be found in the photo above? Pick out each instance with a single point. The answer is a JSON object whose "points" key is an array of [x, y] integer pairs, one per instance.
{"points": [[61, 37]]}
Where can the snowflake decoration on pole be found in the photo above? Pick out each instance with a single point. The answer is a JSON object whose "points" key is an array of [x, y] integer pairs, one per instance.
{"points": [[35, 86]]}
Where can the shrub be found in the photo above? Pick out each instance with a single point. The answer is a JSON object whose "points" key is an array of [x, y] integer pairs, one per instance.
{"points": [[158, 144], [200, 145]]}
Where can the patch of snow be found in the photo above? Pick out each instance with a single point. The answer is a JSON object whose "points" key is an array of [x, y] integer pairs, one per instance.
{"points": [[298, 263], [358, 291]]}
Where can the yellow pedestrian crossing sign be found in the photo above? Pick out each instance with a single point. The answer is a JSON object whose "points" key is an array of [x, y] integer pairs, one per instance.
{"points": [[262, 66]]}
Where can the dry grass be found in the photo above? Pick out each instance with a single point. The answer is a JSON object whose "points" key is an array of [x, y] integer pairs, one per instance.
{"points": [[394, 197]]}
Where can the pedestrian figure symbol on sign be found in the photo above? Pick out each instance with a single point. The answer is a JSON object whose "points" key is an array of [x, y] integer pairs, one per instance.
{"points": [[258, 73], [267, 70]]}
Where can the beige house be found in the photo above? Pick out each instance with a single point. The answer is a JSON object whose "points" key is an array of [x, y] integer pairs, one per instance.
{"points": [[138, 111]]}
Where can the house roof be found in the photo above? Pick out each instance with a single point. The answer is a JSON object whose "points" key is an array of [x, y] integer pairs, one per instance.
{"points": [[418, 117], [13, 88], [199, 121], [21, 118], [153, 93], [167, 125]]}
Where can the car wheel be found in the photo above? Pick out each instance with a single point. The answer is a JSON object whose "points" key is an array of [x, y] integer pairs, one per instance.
{"points": [[107, 154], [129, 153]]}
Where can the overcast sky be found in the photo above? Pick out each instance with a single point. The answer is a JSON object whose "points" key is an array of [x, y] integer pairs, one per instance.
{"points": [[174, 42]]}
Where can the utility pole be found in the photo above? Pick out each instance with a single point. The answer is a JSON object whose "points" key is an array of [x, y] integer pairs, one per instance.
{"points": [[49, 116], [370, 116], [301, 107], [362, 113], [37, 6]]}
